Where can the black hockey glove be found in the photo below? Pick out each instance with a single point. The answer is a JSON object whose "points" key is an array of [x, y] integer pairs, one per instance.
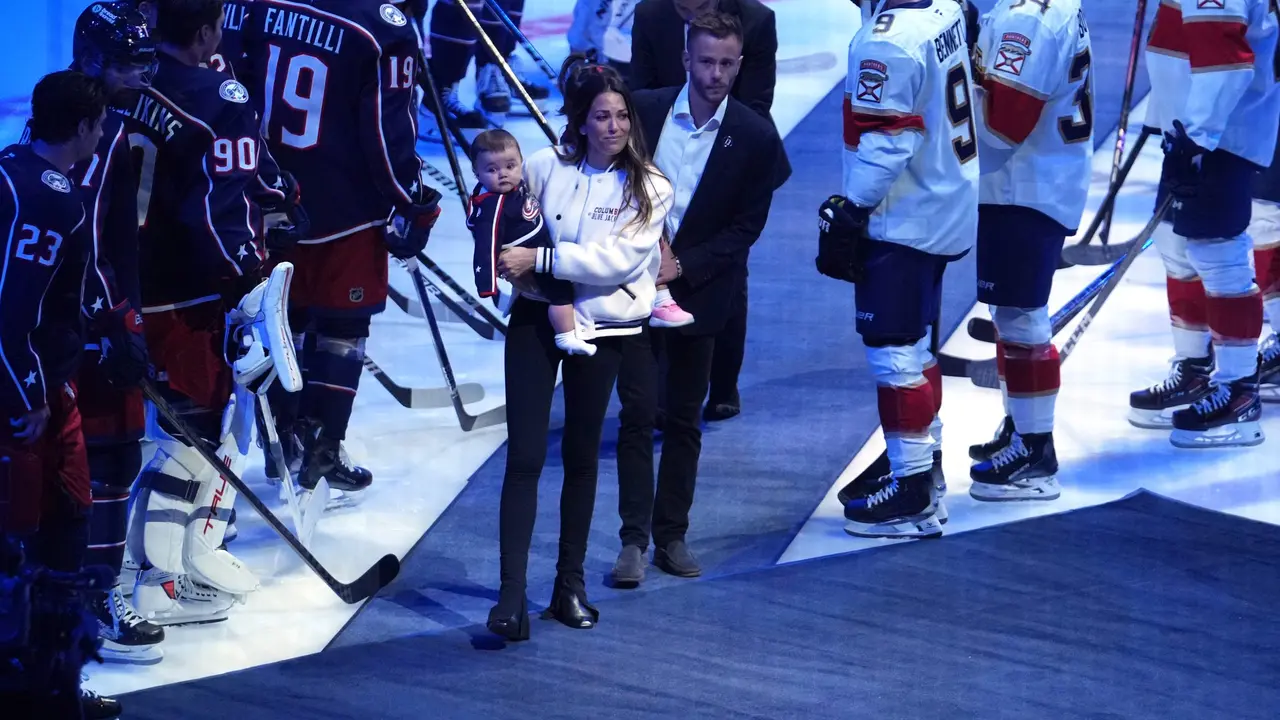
{"points": [[842, 228], [286, 222], [407, 235], [123, 346], [1182, 175]]}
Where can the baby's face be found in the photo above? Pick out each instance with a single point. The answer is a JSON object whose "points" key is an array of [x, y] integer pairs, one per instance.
{"points": [[500, 171]]}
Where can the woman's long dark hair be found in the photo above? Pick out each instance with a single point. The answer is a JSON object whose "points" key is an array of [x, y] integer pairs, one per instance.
{"points": [[581, 82]]}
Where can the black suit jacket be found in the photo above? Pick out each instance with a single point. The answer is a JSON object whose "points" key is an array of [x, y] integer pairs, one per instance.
{"points": [[657, 50], [728, 210]]}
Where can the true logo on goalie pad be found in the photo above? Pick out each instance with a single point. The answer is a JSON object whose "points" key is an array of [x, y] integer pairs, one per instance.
{"points": [[872, 75], [1012, 53]]}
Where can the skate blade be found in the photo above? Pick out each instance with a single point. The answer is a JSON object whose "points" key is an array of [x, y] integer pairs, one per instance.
{"points": [[1269, 393], [1046, 488], [126, 655], [1153, 419], [941, 514], [183, 621], [1246, 434], [919, 526]]}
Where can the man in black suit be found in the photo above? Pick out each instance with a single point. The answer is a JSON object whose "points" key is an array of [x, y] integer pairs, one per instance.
{"points": [[722, 160], [657, 45]]}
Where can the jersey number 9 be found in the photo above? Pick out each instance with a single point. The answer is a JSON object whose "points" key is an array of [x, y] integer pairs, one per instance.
{"points": [[307, 98], [960, 111]]}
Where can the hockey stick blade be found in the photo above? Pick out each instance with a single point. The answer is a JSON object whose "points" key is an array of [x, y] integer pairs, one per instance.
{"points": [[1096, 254], [952, 366], [466, 421], [364, 587], [981, 329], [422, 398], [1082, 252]]}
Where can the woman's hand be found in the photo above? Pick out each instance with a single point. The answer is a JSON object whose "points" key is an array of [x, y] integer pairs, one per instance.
{"points": [[516, 262]]}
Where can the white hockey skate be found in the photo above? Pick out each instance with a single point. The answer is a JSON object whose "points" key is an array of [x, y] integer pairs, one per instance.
{"points": [[167, 599]]}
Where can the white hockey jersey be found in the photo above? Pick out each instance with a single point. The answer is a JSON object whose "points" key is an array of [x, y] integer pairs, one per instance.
{"points": [[1213, 65], [910, 147], [1032, 65]]}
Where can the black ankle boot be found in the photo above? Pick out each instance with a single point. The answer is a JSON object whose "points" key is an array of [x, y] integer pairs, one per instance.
{"points": [[510, 617], [569, 605]]}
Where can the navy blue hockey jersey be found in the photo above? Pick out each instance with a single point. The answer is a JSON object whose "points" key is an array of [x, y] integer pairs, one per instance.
{"points": [[334, 82], [108, 185], [502, 220], [230, 55], [197, 146], [43, 224]]}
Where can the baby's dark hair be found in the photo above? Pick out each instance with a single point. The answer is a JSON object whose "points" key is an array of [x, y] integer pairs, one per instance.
{"points": [[491, 141]]}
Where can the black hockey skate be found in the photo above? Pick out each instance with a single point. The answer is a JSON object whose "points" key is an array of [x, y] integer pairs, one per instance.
{"points": [[1227, 416], [97, 707], [985, 450], [1269, 370], [493, 95], [126, 636], [858, 486], [1187, 383], [291, 444], [1025, 469], [325, 458], [460, 115], [890, 507]]}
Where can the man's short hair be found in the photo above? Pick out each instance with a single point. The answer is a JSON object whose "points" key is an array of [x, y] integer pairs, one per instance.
{"points": [[492, 141], [180, 21], [60, 101], [718, 25]]}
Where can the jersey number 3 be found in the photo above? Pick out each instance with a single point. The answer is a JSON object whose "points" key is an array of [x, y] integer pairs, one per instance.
{"points": [[1072, 130], [30, 245]]}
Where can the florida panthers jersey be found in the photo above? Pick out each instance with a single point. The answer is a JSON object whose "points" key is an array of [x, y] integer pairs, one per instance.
{"points": [[1213, 65], [335, 83], [910, 147], [1032, 66]]}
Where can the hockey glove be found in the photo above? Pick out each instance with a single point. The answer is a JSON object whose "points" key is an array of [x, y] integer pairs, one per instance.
{"points": [[407, 235], [123, 346], [286, 221], [1182, 174], [842, 227]]}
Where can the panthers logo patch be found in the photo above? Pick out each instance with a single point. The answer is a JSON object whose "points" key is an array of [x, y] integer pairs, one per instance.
{"points": [[56, 180], [392, 15], [233, 91]]}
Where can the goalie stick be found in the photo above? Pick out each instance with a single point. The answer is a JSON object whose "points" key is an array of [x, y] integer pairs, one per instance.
{"points": [[985, 374], [420, 398], [467, 421], [413, 308], [378, 576]]}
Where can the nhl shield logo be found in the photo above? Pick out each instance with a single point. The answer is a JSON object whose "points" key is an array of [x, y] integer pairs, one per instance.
{"points": [[234, 92], [356, 294], [392, 15], [56, 180]]}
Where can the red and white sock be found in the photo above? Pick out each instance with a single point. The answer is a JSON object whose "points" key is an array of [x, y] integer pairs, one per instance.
{"points": [[1032, 379]]}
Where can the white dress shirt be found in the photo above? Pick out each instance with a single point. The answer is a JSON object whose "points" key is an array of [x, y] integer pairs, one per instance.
{"points": [[682, 153]]}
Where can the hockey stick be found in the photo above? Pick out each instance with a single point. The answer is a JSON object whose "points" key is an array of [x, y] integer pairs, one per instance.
{"points": [[473, 302], [984, 330], [378, 576], [411, 307], [1082, 253], [512, 80], [305, 517], [521, 38], [467, 421], [1135, 44], [419, 398], [984, 373], [446, 130]]}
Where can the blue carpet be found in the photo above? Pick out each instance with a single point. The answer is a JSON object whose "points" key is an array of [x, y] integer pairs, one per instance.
{"points": [[808, 399], [1141, 608]]}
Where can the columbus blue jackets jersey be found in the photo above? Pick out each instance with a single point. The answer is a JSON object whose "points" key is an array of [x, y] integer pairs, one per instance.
{"points": [[1033, 66], [108, 185], [1213, 65], [501, 220], [230, 56], [335, 82], [910, 145], [42, 222], [196, 144]]}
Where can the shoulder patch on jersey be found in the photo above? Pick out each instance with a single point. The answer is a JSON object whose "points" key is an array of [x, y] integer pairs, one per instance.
{"points": [[872, 75], [530, 209], [1012, 53], [233, 91], [56, 180], [392, 15]]}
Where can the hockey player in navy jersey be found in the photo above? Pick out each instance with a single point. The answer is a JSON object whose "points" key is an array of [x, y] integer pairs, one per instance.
{"points": [[112, 42], [909, 206], [44, 470], [1035, 103], [1214, 95], [505, 214], [335, 82], [197, 143]]}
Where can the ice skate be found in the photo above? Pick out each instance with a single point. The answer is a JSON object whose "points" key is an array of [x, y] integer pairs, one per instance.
{"points": [[1000, 441], [126, 637], [1025, 469], [668, 314], [1187, 383], [1227, 416], [493, 95], [326, 458], [128, 573], [464, 118], [1269, 370], [891, 507], [572, 344], [167, 598], [98, 707], [859, 486]]}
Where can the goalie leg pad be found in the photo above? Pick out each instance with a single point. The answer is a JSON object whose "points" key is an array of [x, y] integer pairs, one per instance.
{"points": [[333, 373], [1233, 302], [260, 333]]}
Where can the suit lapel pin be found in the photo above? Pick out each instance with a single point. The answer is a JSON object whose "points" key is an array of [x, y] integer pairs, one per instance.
{"points": [[728, 141]]}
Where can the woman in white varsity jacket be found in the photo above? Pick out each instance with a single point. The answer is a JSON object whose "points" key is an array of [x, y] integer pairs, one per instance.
{"points": [[605, 206]]}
